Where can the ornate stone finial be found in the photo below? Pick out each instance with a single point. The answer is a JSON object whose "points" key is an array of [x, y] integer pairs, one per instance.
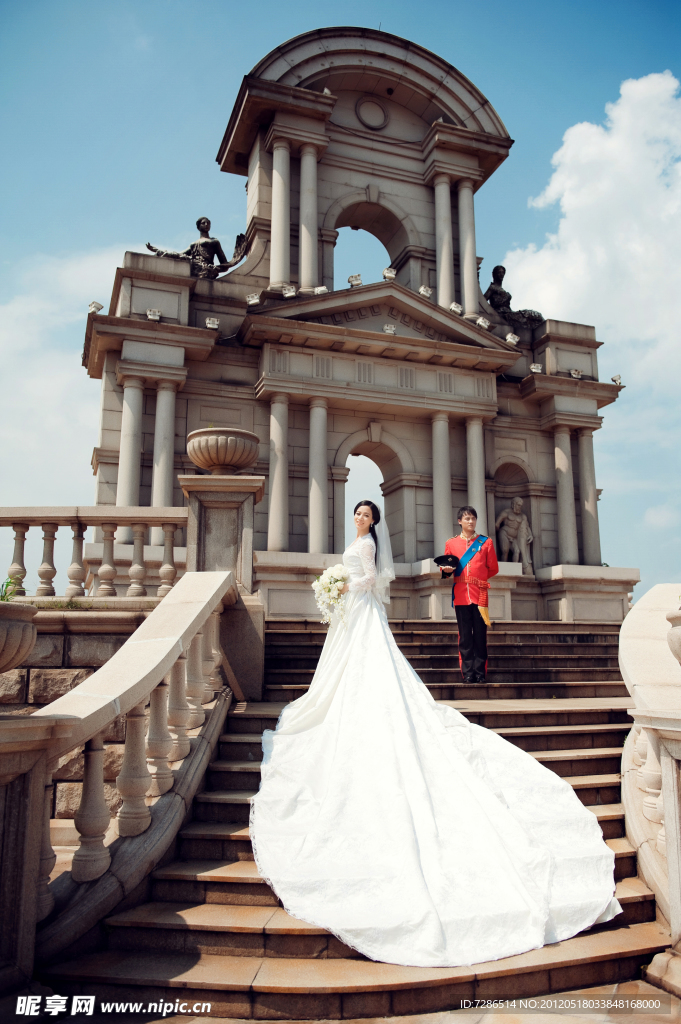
{"points": [[201, 254], [500, 301], [515, 536]]}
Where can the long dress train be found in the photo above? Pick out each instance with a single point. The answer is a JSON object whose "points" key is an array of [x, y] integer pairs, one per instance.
{"points": [[413, 835]]}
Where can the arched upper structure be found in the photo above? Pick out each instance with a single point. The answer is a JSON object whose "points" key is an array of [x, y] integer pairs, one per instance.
{"points": [[372, 62], [352, 126]]}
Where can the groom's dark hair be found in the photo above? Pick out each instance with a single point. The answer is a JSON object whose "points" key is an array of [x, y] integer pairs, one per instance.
{"points": [[376, 516], [466, 510]]}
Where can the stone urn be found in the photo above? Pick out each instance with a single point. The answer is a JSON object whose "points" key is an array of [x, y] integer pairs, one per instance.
{"points": [[674, 634], [17, 633], [222, 450]]}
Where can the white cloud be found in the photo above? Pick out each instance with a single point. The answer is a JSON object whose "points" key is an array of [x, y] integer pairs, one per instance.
{"points": [[615, 262], [50, 407]]}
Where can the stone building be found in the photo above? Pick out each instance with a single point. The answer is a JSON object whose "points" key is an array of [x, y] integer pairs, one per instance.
{"points": [[454, 401]]}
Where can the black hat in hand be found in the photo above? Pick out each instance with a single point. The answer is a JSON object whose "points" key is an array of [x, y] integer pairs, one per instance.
{"points": [[451, 561]]}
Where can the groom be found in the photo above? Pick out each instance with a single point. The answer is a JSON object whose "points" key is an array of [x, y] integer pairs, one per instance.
{"points": [[477, 562]]}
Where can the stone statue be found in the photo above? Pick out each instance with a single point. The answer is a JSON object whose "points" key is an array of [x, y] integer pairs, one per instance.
{"points": [[515, 535], [500, 301], [201, 254]]}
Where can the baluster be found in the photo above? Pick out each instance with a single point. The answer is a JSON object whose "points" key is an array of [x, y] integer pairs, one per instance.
{"points": [[76, 572], [661, 842], [215, 678], [47, 570], [17, 569], [134, 816], [167, 572], [107, 570], [636, 730], [159, 741], [207, 663], [195, 681], [92, 858], [642, 751], [652, 776], [138, 569], [48, 858], [179, 712]]}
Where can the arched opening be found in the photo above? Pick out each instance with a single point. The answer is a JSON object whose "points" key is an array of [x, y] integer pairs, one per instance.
{"points": [[358, 252], [511, 481], [364, 481]]}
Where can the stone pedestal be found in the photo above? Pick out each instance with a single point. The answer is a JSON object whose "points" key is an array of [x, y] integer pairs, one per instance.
{"points": [[220, 537]]}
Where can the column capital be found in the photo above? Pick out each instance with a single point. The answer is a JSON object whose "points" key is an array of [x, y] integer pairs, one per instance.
{"points": [[440, 417], [465, 183], [474, 419], [586, 431], [279, 399], [167, 385], [309, 149], [441, 178], [281, 142], [318, 403], [561, 428], [328, 235], [128, 380]]}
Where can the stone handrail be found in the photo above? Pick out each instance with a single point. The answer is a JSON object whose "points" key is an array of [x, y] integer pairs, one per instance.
{"points": [[151, 666], [132, 523], [648, 652]]}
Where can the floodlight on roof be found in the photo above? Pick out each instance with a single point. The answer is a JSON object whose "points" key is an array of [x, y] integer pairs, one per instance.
{"points": [[95, 307], [321, 289], [253, 298], [482, 322], [577, 374], [154, 314], [389, 329], [389, 274], [355, 280], [425, 291], [288, 291], [536, 368], [512, 339], [212, 323], [456, 307], [616, 379]]}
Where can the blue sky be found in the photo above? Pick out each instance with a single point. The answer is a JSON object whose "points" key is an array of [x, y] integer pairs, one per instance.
{"points": [[114, 113]]}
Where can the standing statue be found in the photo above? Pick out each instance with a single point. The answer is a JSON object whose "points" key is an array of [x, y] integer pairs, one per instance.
{"points": [[500, 301], [201, 254], [515, 535]]}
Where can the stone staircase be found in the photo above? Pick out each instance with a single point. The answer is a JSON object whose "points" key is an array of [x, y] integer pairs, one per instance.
{"points": [[213, 932]]}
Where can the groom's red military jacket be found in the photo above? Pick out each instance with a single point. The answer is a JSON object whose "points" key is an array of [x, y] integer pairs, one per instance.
{"points": [[469, 587]]}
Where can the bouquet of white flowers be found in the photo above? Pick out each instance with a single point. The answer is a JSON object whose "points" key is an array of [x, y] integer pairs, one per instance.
{"points": [[327, 590]]}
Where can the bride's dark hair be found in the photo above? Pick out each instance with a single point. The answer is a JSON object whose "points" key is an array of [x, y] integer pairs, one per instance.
{"points": [[376, 516]]}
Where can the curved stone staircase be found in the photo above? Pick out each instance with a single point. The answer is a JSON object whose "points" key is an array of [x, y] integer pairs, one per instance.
{"points": [[212, 931]]}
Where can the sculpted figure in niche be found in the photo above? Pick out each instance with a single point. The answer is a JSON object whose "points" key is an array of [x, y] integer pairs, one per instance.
{"points": [[515, 536], [500, 301], [201, 254]]}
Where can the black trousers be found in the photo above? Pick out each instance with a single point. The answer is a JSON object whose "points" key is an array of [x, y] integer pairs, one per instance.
{"points": [[472, 641]]}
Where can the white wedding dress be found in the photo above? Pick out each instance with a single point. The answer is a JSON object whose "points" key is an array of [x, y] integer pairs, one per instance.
{"points": [[414, 836]]}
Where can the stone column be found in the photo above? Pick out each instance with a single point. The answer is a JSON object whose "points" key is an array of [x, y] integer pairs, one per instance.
{"points": [[588, 498], [277, 520], [280, 238], [339, 475], [444, 246], [318, 493], [308, 273], [163, 477], [128, 488], [443, 520], [475, 464], [568, 553], [467, 258]]}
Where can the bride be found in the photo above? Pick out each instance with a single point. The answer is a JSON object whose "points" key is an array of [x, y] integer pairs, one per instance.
{"points": [[412, 835]]}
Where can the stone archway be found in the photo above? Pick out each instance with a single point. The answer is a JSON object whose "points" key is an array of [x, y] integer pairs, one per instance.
{"points": [[395, 461], [371, 210]]}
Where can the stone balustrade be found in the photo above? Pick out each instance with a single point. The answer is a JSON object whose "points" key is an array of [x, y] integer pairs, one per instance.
{"points": [[649, 656], [152, 668], [138, 520]]}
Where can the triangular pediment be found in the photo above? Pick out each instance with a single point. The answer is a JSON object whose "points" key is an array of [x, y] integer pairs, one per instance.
{"points": [[375, 307]]}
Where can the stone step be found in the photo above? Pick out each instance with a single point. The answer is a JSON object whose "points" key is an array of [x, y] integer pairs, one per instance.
{"points": [[452, 674], [221, 840], [226, 930], [458, 690], [236, 883], [227, 805], [426, 627], [499, 653], [269, 988]]}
